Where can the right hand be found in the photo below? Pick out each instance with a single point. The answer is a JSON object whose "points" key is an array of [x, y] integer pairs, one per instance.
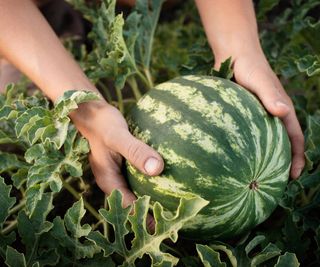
{"points": [[109, 138]]}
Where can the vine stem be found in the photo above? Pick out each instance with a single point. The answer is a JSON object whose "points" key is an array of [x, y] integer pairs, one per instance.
{"points": [[17, 207], [10, 227], [144, 80], [120, 100], [149, 77], [105, 91], [76, 195], [134, 86]]}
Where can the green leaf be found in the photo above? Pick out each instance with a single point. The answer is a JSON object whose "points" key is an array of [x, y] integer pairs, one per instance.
{"points": [[227, 251], [5, 241], [68, 231], [5, 138], [225, 71], [49, 164], [70, 100], [32, 228], [73, 218], [143, 242], [254, 242], [287, 260], [7, 113], [265, 6], [269, 252], [48, 257], [309, 64], [295, 241], [6, 202], [209, 257], [9, 161], [15, 258], [149, 12], [119, 64], [312, 141], [20, 177], [29, 118]]}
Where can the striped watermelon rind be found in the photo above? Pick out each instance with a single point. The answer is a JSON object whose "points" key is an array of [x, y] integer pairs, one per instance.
{"points": [[219, 143]]}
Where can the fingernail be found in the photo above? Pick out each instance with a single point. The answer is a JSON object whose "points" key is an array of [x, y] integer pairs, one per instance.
{"points": [[151, 165], [282, 105]]}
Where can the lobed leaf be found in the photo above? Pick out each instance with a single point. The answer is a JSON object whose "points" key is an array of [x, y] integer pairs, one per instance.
{"points": [[209, 257], [31, 230], [15, 258], [143, 242], [67, 231], [70, 100], [287, 259], [6, 202], [49, 164]]}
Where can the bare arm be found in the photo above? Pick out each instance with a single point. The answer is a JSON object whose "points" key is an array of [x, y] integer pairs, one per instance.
{"points": [[231, 30], [28, 42]]}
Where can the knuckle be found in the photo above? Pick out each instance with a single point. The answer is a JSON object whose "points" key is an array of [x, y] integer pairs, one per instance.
{"points": [[133, 151]]}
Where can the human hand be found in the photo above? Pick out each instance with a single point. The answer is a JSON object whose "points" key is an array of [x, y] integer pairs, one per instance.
{"points": [[252, 71], [107, 132]]}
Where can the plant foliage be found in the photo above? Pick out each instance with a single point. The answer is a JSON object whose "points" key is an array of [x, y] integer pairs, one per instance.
{"points": [[47, 217]]}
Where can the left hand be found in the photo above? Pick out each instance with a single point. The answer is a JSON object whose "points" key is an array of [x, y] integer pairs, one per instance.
{"points": [[253, 72]]}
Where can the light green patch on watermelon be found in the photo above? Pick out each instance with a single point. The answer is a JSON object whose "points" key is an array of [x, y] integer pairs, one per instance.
{"points": [[204, 181], [212, 111], [166, 185], [144, 136], [173, 158], [160, 112], [137, 174], [194, 135]]}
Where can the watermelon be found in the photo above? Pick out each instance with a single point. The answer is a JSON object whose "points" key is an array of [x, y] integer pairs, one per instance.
{"points": [[219, 143]]}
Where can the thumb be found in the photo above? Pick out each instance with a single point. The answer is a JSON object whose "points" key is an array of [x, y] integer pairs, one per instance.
{"points": [[140, 155]]}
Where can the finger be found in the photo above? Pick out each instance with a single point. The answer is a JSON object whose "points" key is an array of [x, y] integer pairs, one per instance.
{"points": [[269, 90], [107, 172], [297, 143], [140, 155]]}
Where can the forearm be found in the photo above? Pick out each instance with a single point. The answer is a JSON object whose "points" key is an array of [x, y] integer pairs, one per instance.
{"points": [[230, 26], [29, 43]]}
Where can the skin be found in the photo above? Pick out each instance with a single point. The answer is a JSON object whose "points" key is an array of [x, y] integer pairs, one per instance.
{"points": [[54, 71], [231, 29]]}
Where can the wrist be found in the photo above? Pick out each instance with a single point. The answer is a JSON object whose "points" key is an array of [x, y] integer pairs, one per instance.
{"points": [[252, 50], [83, 117]]}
